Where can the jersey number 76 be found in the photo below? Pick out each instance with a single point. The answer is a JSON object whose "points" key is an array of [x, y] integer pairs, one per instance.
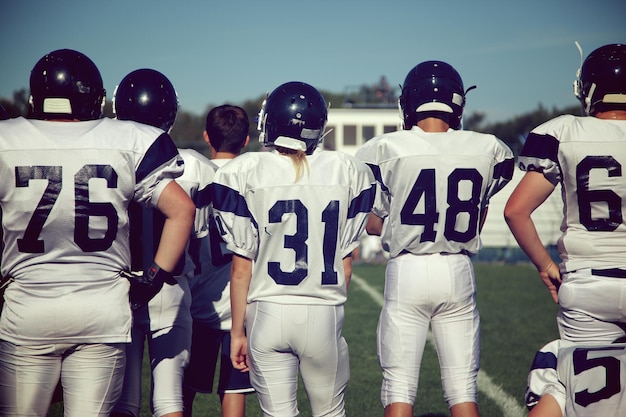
{"points": [[84, 209]]}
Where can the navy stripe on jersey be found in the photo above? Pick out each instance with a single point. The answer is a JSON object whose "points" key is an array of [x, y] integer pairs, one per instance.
{"points": [[504, 169], [379, 178], [544, 360], [160, 152], [541, 147], [228, 200], [204, 197], [362, 203]]}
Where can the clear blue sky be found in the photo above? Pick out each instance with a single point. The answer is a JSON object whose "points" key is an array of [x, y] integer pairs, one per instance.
{"points": [[519, 54]]}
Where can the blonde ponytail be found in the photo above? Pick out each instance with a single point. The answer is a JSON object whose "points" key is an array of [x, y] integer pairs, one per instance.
{"points": [[300, 162]]}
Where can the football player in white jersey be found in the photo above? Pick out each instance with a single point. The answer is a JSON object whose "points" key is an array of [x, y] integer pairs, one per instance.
{"points": [[585, 154], [292, 217], [70, 176], [4, 115], [226, 133], [577, 380], [147, 96], [434, 184]]}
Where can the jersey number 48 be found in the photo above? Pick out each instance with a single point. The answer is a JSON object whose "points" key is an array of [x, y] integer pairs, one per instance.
{"points": [[425, 187]]}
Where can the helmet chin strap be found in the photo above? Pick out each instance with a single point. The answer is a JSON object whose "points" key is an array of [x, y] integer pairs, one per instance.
{"points": [[589, 97], [578, 90], [580, 50], [324, 134], [262, 118]]}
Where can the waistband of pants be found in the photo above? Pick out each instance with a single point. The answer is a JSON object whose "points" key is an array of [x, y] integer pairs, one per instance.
{"points": [[463, 252], [611, 272]]}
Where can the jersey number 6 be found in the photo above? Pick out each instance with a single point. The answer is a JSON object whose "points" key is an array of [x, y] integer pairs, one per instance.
{"points": [[586, 196]]}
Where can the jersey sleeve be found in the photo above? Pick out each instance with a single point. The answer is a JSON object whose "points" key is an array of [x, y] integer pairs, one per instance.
{"points": [[233, 218], [543, 377], [196, 181], [503, 168], [368, 155], [360, 206], [161, 163], [540, 151]]}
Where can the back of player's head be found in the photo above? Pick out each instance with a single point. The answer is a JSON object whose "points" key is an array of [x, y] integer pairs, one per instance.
{"points": [[146, 96], [4, 114], [227, 127], [432, 88], [66, 84], [293, 116], [601, 84]]}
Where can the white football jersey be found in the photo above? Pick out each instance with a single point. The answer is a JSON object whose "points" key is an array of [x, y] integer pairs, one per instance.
{"points": [[434, 187], [196, 179], [65, 196], [210, 279], [586, 380], [171, 305], [585, 155], [297, 233]]}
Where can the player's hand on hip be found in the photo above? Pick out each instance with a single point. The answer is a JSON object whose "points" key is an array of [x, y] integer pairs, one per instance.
{"points": [[551, 277], [144, 286]]}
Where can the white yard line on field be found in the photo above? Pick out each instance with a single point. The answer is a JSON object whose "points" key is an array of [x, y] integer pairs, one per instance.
{"points": [[510, 407]]}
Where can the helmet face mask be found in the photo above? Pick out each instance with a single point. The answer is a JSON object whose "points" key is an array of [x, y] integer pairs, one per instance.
{"points": [[432, 88], [293, 116], [601, 82], [146, 96], [66, 84]]}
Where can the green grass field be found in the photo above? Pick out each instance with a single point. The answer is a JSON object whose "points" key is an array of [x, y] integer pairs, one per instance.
{"points": [[517, 318]]}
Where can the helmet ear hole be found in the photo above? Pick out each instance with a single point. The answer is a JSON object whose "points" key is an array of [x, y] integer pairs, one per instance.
{"points": [[146, 96]]}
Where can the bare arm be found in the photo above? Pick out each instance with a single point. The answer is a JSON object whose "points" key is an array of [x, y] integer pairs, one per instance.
{"points": [[240, 276], [374, 225], [347, 269], [546, 407], [529, 194], [179, 211]]}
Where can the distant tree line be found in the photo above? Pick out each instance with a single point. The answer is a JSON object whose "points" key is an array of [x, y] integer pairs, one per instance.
{"points": [[187, 131], [513, 132]]}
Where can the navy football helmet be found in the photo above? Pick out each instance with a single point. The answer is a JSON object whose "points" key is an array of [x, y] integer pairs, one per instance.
{"points": [[601, 83], [432, 86], [146, 96], [66, 84], [293, 116]]}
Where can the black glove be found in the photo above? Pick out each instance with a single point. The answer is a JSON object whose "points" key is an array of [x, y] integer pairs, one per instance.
{"points": [[143, 287]]}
